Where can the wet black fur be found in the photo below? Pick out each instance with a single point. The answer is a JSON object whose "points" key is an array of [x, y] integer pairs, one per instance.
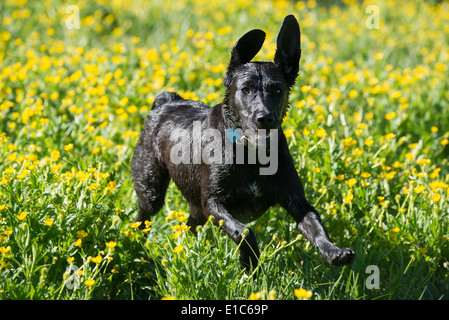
{"points": [[256, 97]]}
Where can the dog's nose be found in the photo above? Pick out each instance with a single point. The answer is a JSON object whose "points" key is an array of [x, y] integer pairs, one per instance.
{"points": [[266, 121]]}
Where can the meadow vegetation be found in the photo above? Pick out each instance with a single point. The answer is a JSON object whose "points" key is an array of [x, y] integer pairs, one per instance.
{"points": [[368, 128]]}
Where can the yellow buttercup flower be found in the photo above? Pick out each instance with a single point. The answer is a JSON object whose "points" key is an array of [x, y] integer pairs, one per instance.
{"points": [[365, 174], [178, 249], [435, 197], [390, 136], [321, 133], [255, 296], [289, 132], [97, 259], [369, 142], [390, 116], [81, 234], [423, 161], [55, 154], [353, 94], [305, 131], [419, 189], [89, 282], [5, 250], [351, 182], [112, 185], [348, 197], [111, 244], [22, 216], [303, 293], [135, 225], [409, 156]]}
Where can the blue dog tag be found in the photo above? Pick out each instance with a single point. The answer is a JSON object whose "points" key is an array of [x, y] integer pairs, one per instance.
{"points": [[233, 135]]}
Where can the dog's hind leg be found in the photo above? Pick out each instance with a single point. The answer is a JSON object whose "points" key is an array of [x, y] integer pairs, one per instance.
{"points": [[150, 183], [196, 218]]}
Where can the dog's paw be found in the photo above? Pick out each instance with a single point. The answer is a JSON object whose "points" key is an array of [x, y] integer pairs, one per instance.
{"points": [[342, 257]]}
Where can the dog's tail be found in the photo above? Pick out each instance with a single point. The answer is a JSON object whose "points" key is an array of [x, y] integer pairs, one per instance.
{"points": [[164, 97]]}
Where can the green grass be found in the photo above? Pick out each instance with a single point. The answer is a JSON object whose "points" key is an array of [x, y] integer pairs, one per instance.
{"points": [[367, 128]]}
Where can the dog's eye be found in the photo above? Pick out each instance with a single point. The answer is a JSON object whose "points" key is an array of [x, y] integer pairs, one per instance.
{"points": [[277, 91], [245, 90]]}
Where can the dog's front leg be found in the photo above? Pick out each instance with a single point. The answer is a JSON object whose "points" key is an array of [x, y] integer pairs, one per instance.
{"points": [[310, 226], [292, 198], [237, 231]]}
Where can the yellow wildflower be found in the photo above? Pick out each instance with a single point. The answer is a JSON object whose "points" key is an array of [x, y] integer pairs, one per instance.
{"points": [[135, 225], [321, 133], [419, 189], [369, 142], [5, 250], [348, 197], [305, 131], [89, 282], [303, 293], [255, 296], [21, 216], [423, 250], [178, 249], [435, 197], [55, 154], [97, 259], [289, 132], [111, 244], [353, 94], [365, 174], [389, 116], [351, 182], [81, 234], [390, 136], [112, 185], [423, 161]]}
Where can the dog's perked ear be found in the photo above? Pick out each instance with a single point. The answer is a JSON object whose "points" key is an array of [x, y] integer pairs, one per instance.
{"points": [[288, 51], [244, 50]]}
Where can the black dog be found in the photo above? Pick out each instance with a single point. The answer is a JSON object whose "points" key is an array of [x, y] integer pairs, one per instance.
{"points": [[233, 192]]}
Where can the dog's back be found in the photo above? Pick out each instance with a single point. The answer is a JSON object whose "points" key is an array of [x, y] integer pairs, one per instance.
{"points": [[169, 112]]}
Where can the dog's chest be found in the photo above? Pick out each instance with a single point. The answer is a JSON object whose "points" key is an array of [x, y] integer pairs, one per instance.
{"points": [[252, 189], [247, 202], [249, 187]]}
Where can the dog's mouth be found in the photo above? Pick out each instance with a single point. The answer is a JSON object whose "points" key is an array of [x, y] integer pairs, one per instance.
{"points": [[255, 138]]}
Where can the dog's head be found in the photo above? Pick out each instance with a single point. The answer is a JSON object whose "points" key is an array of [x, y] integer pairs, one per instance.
{"points": [[257, 92]]}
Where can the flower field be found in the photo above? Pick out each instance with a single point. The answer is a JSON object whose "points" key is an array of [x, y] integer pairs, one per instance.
{"points": [[368, 128]]}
